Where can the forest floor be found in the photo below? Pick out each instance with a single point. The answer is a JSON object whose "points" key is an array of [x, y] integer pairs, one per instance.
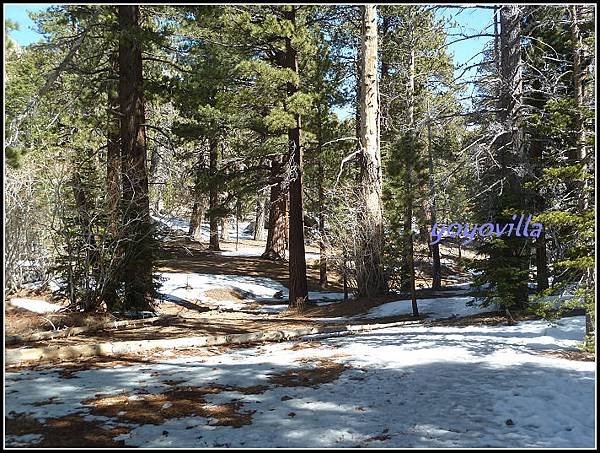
{"points": [[461, 377]]}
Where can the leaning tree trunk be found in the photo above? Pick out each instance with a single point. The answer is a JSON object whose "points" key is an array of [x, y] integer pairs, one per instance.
{"points": [[369, 268], [298, 285], [275, 246], [139, 291]]}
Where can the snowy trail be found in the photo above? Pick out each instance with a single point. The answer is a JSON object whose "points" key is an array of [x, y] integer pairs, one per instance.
{"points": [[404, 387]]}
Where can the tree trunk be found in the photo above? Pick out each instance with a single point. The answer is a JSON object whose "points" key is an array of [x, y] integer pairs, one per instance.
{"points": [[275, 246], [298, 286], [195, 231], [139, 291], [322, 243], [113, 156], [224, 228], [113, 186], [369, 269], [510, 149], [541, 261], [213, 196], [409, 186], [578, 71], [432, 214], [259, 223], [199, 207]]}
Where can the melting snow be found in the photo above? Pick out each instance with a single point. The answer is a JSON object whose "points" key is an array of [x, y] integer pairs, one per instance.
{"points": [[417, 386], [35, 305]]}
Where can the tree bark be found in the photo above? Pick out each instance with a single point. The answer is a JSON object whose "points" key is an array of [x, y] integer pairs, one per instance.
{"points": [[432, 214], [408, 233], [581, 151], [195, 230], [298, 286], [139, 291], [224, 228], [509, 146], [259, 223], [213, 196], [113, 155], [199, 206], [369, 268], [113, 185], [321, 207], [275, 246]]}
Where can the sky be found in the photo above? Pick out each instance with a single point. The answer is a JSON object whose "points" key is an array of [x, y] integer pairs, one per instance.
{"points": [[470, 21], [19, 13]]}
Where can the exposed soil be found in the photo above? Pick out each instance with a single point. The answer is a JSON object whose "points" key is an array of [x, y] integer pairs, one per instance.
{"points": [[571, 355], [19, 321], [71, 430], [324, 371], [178, 402]]}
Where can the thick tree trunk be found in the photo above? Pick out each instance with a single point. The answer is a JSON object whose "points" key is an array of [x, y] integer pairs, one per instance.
{"points": [[509, 147], [298, 286], [139, 291], [259, 223], [369, 268], [213, 196], [275, 246]]}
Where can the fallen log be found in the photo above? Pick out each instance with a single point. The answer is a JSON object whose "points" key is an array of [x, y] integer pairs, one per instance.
{"points": [[71, 331], [14, 356]]}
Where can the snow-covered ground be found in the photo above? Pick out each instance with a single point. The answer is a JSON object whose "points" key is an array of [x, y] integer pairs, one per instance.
{"points": [[402, 387], [180, 225], [194, 287], [34, 305], [437, 308]]}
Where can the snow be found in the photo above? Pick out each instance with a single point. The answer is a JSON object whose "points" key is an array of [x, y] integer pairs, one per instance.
{"points": [[173, 223], [437, 308], [244, 251], [417, 386], [178, 287], [35, 305]]}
